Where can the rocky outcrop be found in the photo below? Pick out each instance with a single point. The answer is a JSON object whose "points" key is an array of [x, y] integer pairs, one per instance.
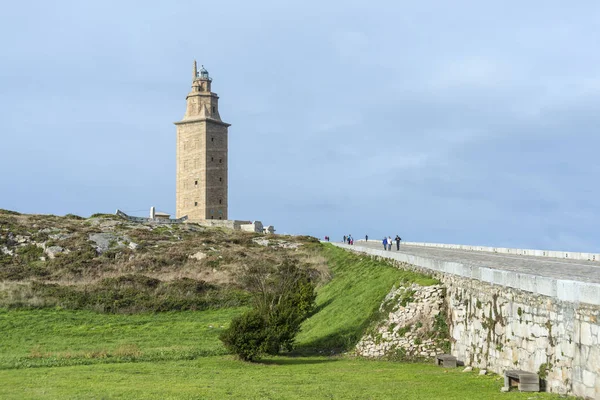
{"points": [[413, 327], [52, 251]]}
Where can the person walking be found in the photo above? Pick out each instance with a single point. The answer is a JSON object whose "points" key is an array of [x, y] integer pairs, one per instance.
{"points": [[344, 239], [366, 238], [389, 242], [384, 243], [398, 239]]}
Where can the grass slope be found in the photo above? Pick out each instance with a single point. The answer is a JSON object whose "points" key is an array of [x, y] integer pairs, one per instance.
{"points": [[349, 303]]}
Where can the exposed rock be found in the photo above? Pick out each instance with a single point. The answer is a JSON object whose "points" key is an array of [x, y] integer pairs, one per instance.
{"points": [[408, 326], [103, 241], [276, 243], [198, 256], [52, 251], [482, 371], [21, 239], [467, 369], [60, 236]]}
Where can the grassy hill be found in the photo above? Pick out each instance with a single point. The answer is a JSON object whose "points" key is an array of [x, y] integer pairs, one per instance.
{"points": [[134, 311], [108, 264]]}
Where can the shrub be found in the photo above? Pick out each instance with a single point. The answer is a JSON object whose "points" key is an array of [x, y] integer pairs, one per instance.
{"points": [[129, 294], [30, 253], [103, 215], [73, 216], [133, 281], [9, 212], [283, 297], [247, 336]]}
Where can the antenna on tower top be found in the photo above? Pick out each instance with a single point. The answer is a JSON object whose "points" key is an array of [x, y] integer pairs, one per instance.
{"points": [[195, 71]]}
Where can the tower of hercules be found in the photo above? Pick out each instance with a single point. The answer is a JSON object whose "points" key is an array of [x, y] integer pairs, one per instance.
{"points": [[201, 154]]}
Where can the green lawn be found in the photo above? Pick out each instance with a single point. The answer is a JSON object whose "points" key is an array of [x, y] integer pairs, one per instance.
{"points": [[60, 354], [60, 337], [222, 377]]}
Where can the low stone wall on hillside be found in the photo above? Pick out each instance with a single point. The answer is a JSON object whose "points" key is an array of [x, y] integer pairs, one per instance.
{"points": [[499, 327], [409, 329]]}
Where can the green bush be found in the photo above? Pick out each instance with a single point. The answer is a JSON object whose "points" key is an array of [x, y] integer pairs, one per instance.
{"points": [[30, 253], [283, 297], [133, 293], [9, 212], [247, 336], [103, 215], [73, 216]]}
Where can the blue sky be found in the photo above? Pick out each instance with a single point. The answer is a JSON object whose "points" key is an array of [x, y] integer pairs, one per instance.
{"points": [[454, 122]]}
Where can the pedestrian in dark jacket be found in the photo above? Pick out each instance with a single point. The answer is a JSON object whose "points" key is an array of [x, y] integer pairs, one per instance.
{"points": [[398, 239], [385, 243]]}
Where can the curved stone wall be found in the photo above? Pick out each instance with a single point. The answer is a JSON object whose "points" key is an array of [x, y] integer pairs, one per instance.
{"points": [[502, 320]]}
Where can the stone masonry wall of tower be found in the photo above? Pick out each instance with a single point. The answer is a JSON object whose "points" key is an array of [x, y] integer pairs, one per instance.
{"points": [[202, 154]]}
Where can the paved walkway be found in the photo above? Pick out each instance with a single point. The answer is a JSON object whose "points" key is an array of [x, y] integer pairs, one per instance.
{"points": [[557, 268]]}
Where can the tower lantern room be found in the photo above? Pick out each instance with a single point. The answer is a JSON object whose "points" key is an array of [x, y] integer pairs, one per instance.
{"points": [[201, 80]]}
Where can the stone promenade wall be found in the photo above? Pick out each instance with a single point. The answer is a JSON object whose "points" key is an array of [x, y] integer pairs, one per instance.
{"points": [[572, 255], [562, 289], [501, 322]]}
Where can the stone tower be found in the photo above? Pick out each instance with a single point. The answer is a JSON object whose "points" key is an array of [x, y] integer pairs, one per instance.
{"points": [[202, 154]]}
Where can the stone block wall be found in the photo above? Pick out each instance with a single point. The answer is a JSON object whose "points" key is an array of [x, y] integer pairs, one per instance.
{"points": [[500, 328], [497, 324]]}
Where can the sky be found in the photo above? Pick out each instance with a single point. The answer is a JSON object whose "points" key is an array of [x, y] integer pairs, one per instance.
{"points": [[462, 122]]}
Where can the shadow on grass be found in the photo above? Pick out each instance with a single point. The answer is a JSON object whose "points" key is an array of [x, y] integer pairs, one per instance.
{"points": [[334, 343], [337, 342], [320, 307], [296, 361]]}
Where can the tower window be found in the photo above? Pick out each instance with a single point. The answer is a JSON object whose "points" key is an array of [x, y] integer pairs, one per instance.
{"points": [[213, 108], [220, 159], [211, 217], [212, 139], [220, 201], [195, 204], [212, 159], [220, 179], [196, 183], [219, 217]]}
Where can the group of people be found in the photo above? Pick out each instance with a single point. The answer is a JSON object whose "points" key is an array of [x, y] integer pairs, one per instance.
{"points": [[387, 242]]}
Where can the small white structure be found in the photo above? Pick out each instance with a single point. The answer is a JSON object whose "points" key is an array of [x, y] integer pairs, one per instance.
{"points": [[157, 215], [255, 226]]}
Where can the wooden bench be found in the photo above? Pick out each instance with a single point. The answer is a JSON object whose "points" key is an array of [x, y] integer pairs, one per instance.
{"points": [[446, 360], [526, 381]]}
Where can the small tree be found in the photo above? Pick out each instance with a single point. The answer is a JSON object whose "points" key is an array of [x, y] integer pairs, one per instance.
{"points": [[283, 297]]}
